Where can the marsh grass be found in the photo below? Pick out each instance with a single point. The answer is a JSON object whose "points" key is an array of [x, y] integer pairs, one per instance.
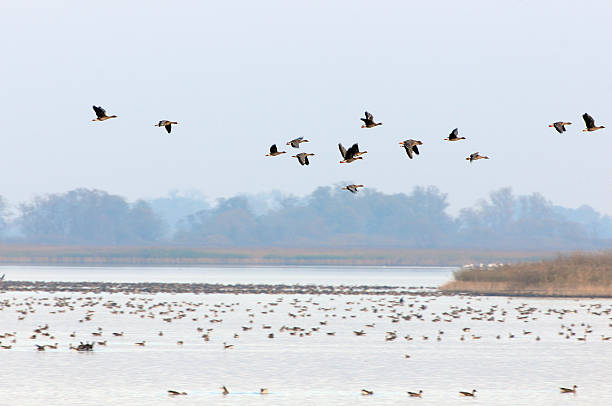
{"points": [[577, 274]]}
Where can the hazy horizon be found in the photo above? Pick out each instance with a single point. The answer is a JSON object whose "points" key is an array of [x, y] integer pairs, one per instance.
{"points": [[241, 76]]}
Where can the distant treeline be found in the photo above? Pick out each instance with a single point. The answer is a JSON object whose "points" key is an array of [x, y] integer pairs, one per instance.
{"points": [[328, 217]]}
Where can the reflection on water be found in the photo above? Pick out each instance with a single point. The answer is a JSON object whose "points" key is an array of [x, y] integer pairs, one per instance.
{"points": [[302, 364]]}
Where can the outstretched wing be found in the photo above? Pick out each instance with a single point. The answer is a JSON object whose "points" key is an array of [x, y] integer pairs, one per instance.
{"points": [[369, 116], [350, 153], [100, 112], [454, 134], [342, 150], [168, 128], [302, 159], [588, 120], [306, 160], [559, 127], [273, 149], [408, 149], [415, 149]]}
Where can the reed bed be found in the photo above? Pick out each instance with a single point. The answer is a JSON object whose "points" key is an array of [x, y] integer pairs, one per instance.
{"points": [[577, 274]]}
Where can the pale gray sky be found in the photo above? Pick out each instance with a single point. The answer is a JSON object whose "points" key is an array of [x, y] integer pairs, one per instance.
{"points": [[241, 75]]}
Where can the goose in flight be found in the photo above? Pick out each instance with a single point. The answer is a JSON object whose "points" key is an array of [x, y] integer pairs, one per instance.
{"points": [[453, 136], [560, 126], [469, 394], [274, 151], [167, 124], [411, 146], [296, 142], [302, 158], [352, 188], [590, 123], [475, 156], [101, 114], [351, 154], [368, 121]]}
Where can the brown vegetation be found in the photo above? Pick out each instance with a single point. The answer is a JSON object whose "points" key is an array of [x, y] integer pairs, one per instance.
{"points": [[578, 274], [183, 256]]}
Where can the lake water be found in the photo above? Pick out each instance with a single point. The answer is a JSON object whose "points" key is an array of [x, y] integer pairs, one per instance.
{"points": [[300, 369]]}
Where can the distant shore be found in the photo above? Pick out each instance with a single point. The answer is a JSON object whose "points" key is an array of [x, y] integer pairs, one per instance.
{"points": [[574, 275], [196, 256]]}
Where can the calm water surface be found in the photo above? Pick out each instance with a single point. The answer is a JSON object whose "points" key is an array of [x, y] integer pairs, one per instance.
{"points": [[315, 368]]}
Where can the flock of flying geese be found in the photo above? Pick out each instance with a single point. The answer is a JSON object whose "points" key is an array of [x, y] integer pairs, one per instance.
{"points": [[353, 154]]}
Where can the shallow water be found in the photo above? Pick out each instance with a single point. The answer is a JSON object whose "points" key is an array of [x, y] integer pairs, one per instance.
{"points": [[306, 370]]}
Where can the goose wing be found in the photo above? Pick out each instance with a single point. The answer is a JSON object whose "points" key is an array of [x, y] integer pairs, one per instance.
{"points": [[100, 112], [408, 149], [168, 128], [350, 153], [454, 134], [588, 120], [415, 149], [302, 159], [342, 150], [273, 149], [559, 127]]}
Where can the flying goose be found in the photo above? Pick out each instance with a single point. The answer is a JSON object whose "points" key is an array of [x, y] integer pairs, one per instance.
{"points": [[352, 188], [351, 154], [302, 158], [568, 390], [415, 394], [296, 142], [411, 146], [470, 394], [475, 156], [101, 113], [560, 126], [274, 151], [590, 123], [167, 124], [453, 136], [368, 121]]}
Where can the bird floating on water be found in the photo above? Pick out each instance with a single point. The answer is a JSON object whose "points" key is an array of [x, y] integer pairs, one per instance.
{"points": [[224, 390], [366, 392], [468, 394], [176, 393], [167, 124], [101, 113], [263, 391], [416, 394], [568, 390]]}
